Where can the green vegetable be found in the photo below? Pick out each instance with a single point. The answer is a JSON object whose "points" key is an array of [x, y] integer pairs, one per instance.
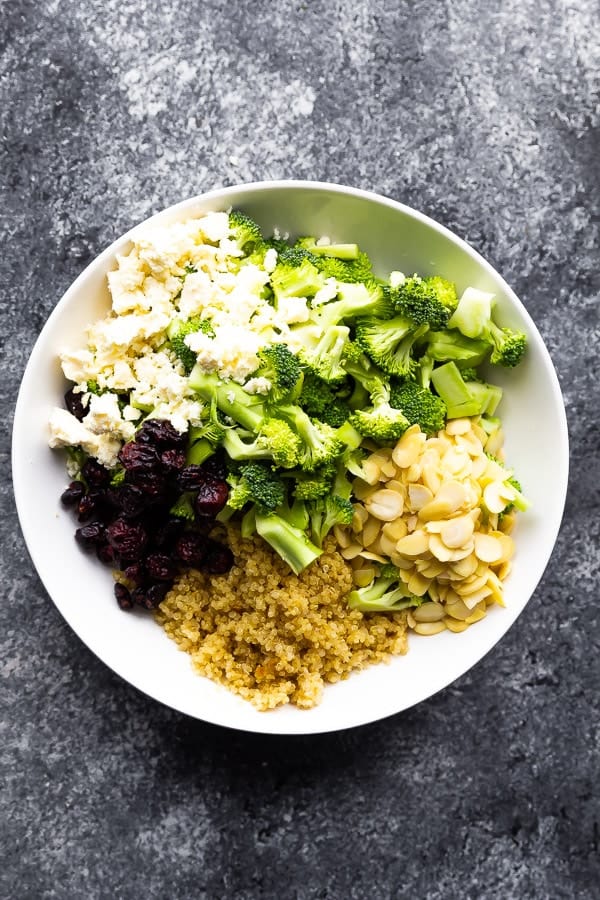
{"points": [[426, 301], [245, 232], [419, 405], [177, 332], [473, 317], [383, 595], [390, 343], [290, 542]]}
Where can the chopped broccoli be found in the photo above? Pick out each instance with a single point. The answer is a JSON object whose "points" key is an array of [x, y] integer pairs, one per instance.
{"points": [[320, 444], [419, 405], [244, 231], [473, 317], [349, 271], [338, 251], [92, 387], [290, 542], [323, 355], [320, 402], [427, 301], [312, 485], [183, 507], [389, 343], [281, 368], [230, 398], [178, 331], [443, 346], [462, 398], [327, 512], [384, 594], [296, 274], [275, 440], [380, 421], [255, 483], [354, 300]]}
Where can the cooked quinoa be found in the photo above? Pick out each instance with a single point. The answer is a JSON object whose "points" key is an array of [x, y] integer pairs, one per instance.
{"points": [[272, 636]]}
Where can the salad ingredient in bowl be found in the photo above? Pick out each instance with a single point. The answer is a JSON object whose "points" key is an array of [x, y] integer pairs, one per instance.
{"points": [[278, 396]]}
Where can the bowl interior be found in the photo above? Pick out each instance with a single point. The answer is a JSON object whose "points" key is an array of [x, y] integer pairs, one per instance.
{"points": [[395, 237]]}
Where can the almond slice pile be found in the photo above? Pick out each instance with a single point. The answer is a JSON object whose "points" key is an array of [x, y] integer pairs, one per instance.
{"points": [[438, 508]]}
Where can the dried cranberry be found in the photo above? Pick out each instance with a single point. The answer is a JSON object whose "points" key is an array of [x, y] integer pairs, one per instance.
{"points": [[215, 465], [211, 497], [219, 560], [73, 494], [95, 474], [106, 554], [74, 404], [123, 596], [90, 535], [135, 573], [86, 507], [129, 499], [156, 594], [191, 548], [161, 567], [191, 478], [160, 432], [151, 483], [138, 596], [127, 539], [136, 457], [172, 460], [166, 534]]}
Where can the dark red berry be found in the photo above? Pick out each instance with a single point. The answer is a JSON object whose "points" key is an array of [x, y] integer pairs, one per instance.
{"points": [[127, 539], [123, 596], [191, 548], [156, 594], [86, 507], [135, 573], [129, 499], [215, 465], [90, 535], [212, 497], [160, 433], [161, 567], [166, 534], [73, 494], [172, 460], [219, 560], [106, 554], [191, 478], [136, 458], [74, 404], [95, 474], [138, 596]]}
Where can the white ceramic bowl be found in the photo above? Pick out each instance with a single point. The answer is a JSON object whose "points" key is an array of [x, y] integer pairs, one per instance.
{"points": [[395, 237]]}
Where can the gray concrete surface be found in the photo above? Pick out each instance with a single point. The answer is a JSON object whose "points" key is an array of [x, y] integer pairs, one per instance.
{"points": [[485, 116]]}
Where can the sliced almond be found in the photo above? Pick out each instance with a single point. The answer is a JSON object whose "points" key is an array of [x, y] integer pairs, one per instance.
{"points": [[448, 500], [429, 612], [418, 584], [363, 577], [487, 547], [409, 447], [429, 628], [370, 531], [394, 530], [455, 625], [456, 532], [458, 426], [385, 505], [418, 496], [413, 544]]}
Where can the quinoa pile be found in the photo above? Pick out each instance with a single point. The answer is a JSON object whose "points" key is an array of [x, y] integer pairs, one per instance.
{"points": [[272, 636]]}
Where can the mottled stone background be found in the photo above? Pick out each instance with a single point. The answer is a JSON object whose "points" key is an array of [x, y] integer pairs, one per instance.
{"points": [[485, 116]]}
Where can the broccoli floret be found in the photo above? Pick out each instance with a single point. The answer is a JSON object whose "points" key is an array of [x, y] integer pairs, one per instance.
{"points": [[383, 595], [296, 274], [313, 485], [178, 331], [323, 355], [320, 402], [443, 346], [290, 542], [381, 422], [275, 440], [244, 231], [508, 346], [277, 243], [320, 443], [473, 317], [92, 387], [460, 397], [354, 300], [427, 301], [389, 343], [183, 507], [281, 368], [349, 271], [327, 512], [419, 405], [255, 483]]}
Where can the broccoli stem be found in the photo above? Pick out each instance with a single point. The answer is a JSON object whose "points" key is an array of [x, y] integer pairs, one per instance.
{"points": [[289, 542], [230, 397], [199, 452]]}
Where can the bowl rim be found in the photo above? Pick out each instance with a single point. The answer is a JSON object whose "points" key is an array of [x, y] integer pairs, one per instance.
{"points": [[271, 724]]}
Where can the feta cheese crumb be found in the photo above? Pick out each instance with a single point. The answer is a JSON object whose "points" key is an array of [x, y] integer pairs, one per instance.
{"points": [[258, 385], [270, 260], [326, 293], [396, 279]]}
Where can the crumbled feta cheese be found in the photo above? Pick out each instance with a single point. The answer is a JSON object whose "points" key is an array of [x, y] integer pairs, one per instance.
{"points": [[215, 226], [270, 260], [231, 396], [131, 414], [232, 352], [323, 241], [77, 365], [293, 309], [67, 431], [396, 279], [104, 417], [258, 385], [326, 293]]}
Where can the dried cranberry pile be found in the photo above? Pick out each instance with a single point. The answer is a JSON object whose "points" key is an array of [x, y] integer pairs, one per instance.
{"points": [[129, 525]]}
